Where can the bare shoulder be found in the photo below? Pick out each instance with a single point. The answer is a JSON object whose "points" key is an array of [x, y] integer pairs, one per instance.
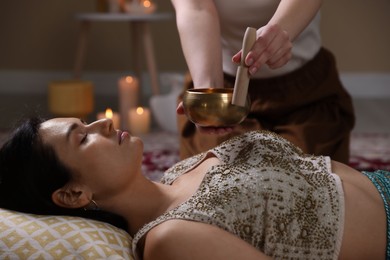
{"points": [[182, 239]]}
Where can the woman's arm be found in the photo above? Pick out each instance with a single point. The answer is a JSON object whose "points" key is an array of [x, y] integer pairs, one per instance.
{"points": [[274, 40], [294, 15], [181, 239], [199, 30]]}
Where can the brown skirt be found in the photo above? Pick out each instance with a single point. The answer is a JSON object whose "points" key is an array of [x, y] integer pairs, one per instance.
{"points": [[309, 107]]}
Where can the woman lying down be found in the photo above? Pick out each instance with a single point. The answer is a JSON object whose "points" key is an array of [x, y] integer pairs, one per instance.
{"points": [[253, 197]]}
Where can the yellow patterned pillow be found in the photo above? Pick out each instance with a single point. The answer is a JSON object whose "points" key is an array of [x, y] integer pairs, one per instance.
{"points": [[27, 236]]}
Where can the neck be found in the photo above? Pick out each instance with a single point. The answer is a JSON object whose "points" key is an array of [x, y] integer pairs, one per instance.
{"points": [[142, 202]]}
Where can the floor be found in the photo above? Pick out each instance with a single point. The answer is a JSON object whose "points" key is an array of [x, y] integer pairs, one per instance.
{"points": [[372, 115]]}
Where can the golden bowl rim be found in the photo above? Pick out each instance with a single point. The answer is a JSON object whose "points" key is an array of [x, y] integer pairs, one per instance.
{"points": [[212, 93], [209, 91]]}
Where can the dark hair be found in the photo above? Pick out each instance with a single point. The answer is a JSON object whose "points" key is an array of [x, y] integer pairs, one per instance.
{"points": [[30, 171]]}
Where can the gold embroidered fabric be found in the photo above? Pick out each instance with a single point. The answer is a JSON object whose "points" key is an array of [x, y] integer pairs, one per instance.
{"points": [[266, 191]]}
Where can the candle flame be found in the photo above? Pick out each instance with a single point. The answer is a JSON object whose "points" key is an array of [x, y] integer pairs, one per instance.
{"points": [[129, 79], [109, 113], [140, 110], [147, 3]]}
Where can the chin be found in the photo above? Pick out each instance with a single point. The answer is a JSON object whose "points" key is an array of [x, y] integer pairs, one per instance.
{"points": [[138, 143]]}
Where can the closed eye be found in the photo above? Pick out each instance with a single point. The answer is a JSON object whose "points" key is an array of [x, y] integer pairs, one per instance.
{"points": [[84, 139]]}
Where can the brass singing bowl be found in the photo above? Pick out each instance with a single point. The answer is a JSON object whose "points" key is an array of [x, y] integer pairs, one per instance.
{"points": [[212, 107]]}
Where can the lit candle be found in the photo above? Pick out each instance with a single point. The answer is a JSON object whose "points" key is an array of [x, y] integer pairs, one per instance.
{"points": [[139, 120], [115, 117], [128, 97], [148, 6]]}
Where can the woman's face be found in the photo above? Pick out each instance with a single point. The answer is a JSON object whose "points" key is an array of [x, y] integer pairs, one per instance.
{"points": [[104, 159]]}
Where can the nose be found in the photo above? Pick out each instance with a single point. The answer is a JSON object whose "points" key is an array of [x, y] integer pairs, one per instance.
{"points": [[105, 126]]}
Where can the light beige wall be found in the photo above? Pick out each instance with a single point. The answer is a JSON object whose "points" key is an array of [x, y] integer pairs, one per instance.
{"points": [[42, 35], [358, 32]]}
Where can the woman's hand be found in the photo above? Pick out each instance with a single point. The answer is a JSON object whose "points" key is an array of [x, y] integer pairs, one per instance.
{"points": [[272, 47], [206, 130]]}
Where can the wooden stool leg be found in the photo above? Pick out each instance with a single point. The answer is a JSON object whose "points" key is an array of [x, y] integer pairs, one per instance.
{"points": [[81, 49], [135, 33], [150, 58]]}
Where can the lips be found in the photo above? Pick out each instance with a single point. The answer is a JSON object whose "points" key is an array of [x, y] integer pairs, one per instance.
{"points": [[121, 135]]}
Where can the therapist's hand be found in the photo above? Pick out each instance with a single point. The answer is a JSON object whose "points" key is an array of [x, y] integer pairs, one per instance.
{"points": [[206, 130], [272, 47]]}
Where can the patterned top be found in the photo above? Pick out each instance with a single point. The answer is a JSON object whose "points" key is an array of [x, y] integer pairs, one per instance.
{"points": [[266, 191]]}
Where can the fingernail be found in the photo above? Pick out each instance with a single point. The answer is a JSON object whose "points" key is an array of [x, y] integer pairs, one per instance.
{"points": [[252, 70], [249, 62]]}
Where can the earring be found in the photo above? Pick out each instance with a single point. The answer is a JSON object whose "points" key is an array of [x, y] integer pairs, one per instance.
{"points": [[92, 206]]}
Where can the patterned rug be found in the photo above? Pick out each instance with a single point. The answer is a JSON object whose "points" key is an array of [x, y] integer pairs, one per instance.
{"points": [[161, 151], [370, 151]]}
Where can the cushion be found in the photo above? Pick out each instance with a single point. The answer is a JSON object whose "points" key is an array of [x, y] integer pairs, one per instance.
{"points": [[28, 236]]}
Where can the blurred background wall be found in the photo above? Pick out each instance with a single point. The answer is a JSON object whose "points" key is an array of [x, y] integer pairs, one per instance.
{"points": [[42, 35]]}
